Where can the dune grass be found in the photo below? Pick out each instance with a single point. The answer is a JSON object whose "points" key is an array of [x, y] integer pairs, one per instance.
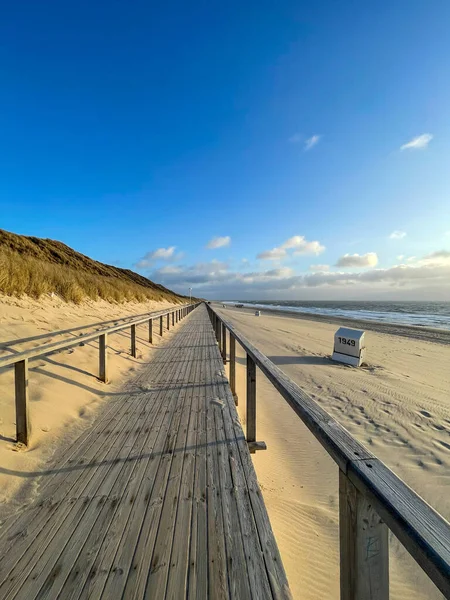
{"points": [[22, 274]]}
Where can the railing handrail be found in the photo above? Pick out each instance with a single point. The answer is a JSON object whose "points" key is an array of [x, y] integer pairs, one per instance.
{"points": [[66, 344], [418, 526]]}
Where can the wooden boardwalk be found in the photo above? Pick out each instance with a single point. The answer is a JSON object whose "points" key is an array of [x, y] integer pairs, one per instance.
{"points": [[158, 499]]}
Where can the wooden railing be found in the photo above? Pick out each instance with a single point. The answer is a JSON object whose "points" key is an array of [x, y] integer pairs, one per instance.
{"points": [[372, 499], [20, 360]]}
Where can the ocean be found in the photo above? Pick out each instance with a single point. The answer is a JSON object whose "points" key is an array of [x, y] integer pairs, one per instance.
{"points": [[420, 314]]}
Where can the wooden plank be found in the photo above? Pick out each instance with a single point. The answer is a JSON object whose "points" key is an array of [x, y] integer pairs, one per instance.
{"points": [[133, 341], [217, 559], [238, 579], [171, 579], [150, 331], [264, 567], [233, 367], [251, 400], [364, 546], [161, 328], [173, 319], [224, 343], [103, 358], [97, 556], [23, 425], [168, 321], [198, 560], [114, 563], [144, 559]]}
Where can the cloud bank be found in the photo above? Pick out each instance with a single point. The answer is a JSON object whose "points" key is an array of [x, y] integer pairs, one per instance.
{"points": [[216, 279]]}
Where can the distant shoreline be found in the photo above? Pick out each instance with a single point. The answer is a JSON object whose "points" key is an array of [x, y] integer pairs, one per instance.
{"points": [[426, 334]]}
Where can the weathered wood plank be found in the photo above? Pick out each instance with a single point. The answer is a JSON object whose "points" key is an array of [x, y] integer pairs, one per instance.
{"points": [[251, 400], [23, 425], [133, 341], [364, 546], [103, 358], [233, 367]]}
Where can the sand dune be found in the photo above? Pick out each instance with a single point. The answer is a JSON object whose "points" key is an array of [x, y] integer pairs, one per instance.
{"points": [[64, 390], [398, 406]]}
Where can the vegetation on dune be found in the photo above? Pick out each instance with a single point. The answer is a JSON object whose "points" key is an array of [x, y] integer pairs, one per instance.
{"points": [[33, 266]]}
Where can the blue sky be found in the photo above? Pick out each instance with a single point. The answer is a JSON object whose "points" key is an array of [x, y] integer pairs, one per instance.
{"points": [[129, 129]]}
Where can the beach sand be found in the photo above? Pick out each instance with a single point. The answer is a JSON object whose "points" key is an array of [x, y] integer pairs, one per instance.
{"points": [[64, 390], [398, 406]]}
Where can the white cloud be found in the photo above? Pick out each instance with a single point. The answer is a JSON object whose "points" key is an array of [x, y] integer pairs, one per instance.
{"points": [[155, 255], [219, 242], [397, 235], [274, 254], [319, 268], [417, 143], [400, 257], [358, 260], [297, 243], [312, 141]]}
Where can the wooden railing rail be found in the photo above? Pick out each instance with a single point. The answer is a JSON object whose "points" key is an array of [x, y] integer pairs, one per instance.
{"points": [[20, 359], [371, 497]]}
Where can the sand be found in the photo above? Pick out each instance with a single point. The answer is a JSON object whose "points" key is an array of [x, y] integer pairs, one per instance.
{"points": [[399, 407], [65, 393]]}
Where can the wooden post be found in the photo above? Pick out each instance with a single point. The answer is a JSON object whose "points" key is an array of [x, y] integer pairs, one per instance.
{"points": [[364, 546], [103, 358], [161, 328], [251, 399], [150, 331], [219, 335], [224, 343], [168, 321], [173, 318], [23, 426], [133, 341], [233, 367]]}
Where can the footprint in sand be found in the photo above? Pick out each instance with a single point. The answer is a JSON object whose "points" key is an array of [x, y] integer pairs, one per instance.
{"points": [[425, 413], [444, 444], [438, 427]]}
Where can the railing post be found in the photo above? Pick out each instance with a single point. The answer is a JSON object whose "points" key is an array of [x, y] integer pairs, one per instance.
{"points": [[133, 341], [233, 367], [364, 546], [251, 399], [150, 331], [23, 426], [224, 343], [103, 358], [173, 318], [161, 328], [219, 334], [168, 321]]}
